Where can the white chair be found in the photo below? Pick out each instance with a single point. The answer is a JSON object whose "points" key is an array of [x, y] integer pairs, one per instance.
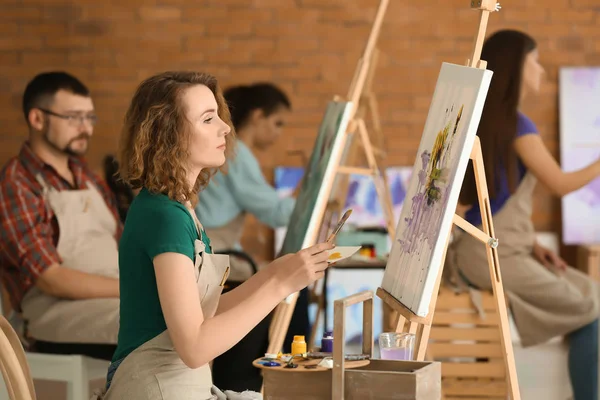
{"points": [[77, 371], [542, 370]]}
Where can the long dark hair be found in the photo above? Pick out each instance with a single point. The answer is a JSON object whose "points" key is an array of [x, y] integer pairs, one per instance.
{"points": [[505, 52], [244, 99]]}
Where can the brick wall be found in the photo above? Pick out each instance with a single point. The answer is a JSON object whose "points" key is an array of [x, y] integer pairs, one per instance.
{"points": [[310, 47]]}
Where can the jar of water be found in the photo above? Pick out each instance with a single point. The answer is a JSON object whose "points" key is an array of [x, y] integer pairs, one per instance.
{"points": [[396, 346]]}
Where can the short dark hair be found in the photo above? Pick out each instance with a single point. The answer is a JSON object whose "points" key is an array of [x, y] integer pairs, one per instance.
{"points": [[45, 85], [244, 99]]}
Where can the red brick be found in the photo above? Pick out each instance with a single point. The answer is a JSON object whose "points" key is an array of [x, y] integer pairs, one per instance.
{"points": [[298, 74], [529, 14], [593, 4], [44, 29], [199, 12], [321, 4], [91, 28], [92, 58], [275, 4], [61, 12], [251, 74], [9, 57], [160, 13], [586, 30], [178, 3], [229, 57], [206, 44], [296, 15], [46, 59], [278, 29], [578, 16], [549, 30], [18, 13], [9, 28], [572, 43], [298, 45], [243, 27], [113, 13], [276, 58], [249, 15], [250, 45], [22, 43], [69, 42]]}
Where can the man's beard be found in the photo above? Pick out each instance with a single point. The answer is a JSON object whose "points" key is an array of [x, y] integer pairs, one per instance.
{"points": [[66, 149]]}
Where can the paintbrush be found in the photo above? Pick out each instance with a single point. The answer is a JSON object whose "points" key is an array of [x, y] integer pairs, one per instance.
{"points": [[339, 225]]}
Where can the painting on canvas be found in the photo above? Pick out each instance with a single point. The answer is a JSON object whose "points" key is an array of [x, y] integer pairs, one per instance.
{"points": [[426, 218], [579, 147], [311, 202]]}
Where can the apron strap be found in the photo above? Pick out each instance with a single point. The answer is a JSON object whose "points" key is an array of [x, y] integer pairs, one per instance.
{"points": [[198, 225]]}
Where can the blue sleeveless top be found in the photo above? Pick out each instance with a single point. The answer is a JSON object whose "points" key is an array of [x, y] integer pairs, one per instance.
{"points": [[525, 126]]}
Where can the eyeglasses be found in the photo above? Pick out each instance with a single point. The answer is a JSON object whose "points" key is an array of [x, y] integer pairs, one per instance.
{"points": [[73, 120]]}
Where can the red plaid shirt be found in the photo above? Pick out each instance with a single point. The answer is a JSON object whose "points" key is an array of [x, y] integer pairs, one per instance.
{"points": [[28, 226]]}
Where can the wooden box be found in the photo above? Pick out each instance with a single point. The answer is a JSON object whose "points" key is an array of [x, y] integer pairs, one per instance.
{"points": [[364, 380], [381, 380]]}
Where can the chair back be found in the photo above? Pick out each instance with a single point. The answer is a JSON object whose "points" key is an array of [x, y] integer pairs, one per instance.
{"points": [[13, 364]]}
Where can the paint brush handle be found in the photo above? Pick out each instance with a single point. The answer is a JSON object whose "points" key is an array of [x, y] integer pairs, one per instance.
{"points": [[339, 226]]}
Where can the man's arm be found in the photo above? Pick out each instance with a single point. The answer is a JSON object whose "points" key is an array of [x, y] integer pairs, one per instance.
{"points": [[27, 243], [69, 283], [254, 194]]}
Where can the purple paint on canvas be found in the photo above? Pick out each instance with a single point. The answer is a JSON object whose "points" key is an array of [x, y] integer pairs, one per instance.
{"points": [[432, 193]]}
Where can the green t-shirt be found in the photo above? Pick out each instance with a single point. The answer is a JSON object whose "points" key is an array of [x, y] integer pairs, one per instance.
{"points": [[155, 224]]}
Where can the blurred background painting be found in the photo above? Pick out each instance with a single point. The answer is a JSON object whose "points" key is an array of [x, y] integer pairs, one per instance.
{"points": [[579, 146]]}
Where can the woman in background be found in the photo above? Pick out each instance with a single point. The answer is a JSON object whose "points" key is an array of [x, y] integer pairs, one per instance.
{"points": [[547, 297], [258, 113], [173, 319]]}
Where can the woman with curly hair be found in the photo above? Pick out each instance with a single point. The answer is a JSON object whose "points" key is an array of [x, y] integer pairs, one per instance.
{"points": [[174, 320]]}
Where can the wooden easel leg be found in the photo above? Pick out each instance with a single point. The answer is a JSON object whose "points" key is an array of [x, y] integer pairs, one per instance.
{"points": [[422, 338], [380, 186], [494, 266], [280, 326]]}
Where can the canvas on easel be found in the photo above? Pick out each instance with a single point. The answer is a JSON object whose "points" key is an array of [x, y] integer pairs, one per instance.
{"points": [[413, 273], [317, 181], [426, 218]]}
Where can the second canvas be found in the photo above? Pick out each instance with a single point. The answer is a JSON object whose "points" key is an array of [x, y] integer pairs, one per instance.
{"points": [[316, 184], [425, 221]]}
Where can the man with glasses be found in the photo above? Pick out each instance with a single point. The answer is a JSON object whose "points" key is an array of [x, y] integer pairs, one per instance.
{"points": [[59, 226]]}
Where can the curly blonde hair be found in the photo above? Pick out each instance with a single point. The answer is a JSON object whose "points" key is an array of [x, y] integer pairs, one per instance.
{"points": [[154, 143]]}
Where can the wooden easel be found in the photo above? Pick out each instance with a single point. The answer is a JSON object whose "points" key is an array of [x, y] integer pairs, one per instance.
{"points": [[362, 78], [421, 326]]}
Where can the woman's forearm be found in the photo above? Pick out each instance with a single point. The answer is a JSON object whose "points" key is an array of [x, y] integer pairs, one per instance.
{"points": [[242, 292], [221, 332]]}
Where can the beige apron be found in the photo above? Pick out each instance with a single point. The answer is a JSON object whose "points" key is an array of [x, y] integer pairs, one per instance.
{"points": [[86, 243], [544, 304], [228, 237], [154, 371]]}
